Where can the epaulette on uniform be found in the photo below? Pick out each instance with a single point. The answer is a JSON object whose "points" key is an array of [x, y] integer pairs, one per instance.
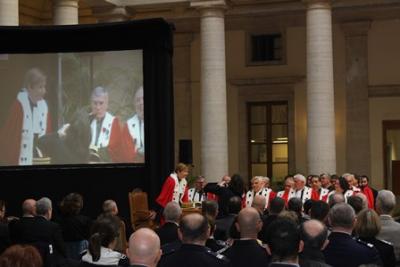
{"points": [[386, 242], [217, 255], [369, 245], [222, 250]]}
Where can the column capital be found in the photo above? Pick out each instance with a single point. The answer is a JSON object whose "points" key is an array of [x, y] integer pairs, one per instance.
{"points": [[318, 4], [111, 13], [356, 28], [66, 3], [209, 4]]}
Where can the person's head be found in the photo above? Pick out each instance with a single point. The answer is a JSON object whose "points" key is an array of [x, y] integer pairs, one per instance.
{"points": [[200, 183], [172, 212], [181, 170], [350, 178], [257, 183], [363, 198], [315, 182], [334, 179], [139, 107], [209, 208], [99, 102], [276, 205], [265, 181], [259, 203], [103, 233], [368, 224], [234, 205], [385, 202], [249, 223], [44, 208], [342, 185], [110, 207], [299, 181], [194, 229], [335, 198], [364, 181], [314, 235], [356, 203], [308, 205], [289, 183], [284, 241], [72, 204], [21, 256], [35, 84], [29, 207], [319, 210], [325, 179], [2, 209], [144, 248], [342, 217], [289, 215], [226, 179], [236, 184], [295, 204]]}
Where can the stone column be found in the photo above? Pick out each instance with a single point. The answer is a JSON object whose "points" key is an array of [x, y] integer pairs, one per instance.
{"points": [[65, 12], [321, 150], [9, 15], [357, 102], [111, 13], [214, 132]]}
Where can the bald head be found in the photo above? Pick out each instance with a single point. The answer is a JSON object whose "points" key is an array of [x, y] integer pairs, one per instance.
{"points": [[259, 203], [249, 223], [194, 229], [314, 234], [29, 207], [144, 248]]}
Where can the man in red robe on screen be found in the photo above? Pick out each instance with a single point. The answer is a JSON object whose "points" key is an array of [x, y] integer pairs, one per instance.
{"points": [[105, 129], [28, 120]]}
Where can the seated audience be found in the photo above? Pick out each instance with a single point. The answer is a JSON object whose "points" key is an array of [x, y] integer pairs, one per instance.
{"points": [[385, 204], [194, 231], [224, 224], [335, 198], [18, 228], [102, 242], [314, 235], [342, 249], [356, 203], [319, 211], [276, 206], [209, 208], [247, 251], [144, 248], [21, 256], [296, 205], [168, 232], [284, 243], [75, 226], [212, 243], [367, 228]]}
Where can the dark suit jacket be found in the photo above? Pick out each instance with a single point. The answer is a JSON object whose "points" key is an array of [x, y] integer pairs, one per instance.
{"points": [[385, 249], [247, 253], [223, 226], [30, 230], [168, 233]]}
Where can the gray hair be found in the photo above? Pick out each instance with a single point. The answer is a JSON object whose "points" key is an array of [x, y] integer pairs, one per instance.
{"points": [[335, 198], [99, 91], [43, 205], [385, 201], [172, 212], [342, 215], [299, 177]]}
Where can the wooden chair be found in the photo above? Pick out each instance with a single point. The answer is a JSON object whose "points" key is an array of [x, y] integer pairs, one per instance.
{"points": [[139, 210]]}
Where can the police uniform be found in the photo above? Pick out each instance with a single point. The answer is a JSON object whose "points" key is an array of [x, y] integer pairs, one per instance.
{"points": [[190, 255], [344, 250], [247, 253]]}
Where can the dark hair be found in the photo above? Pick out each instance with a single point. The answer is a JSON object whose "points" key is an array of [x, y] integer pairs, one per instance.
{"points": [[234, 205], [356, 202], [315, 242], [210, 208], [72, 204], [103, 232], [284, 239], [277, 205], [343, 184], [295, 204], [78, 135], [194, 229], [233, 231], [21, 256], [319, 210], [237, 185], [307, 205]]}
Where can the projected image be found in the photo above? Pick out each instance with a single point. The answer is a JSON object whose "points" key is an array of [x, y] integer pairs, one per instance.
{"points": [[72, 108]]}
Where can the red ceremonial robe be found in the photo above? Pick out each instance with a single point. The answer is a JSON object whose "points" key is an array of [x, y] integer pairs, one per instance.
{"points": [[370, 197], [167, 193], [128, 146]]}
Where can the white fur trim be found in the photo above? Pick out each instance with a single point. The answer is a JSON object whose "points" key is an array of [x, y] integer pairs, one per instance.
{"points": [[105, 131]]}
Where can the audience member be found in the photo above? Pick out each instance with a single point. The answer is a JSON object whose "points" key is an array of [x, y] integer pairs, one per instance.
{"points": [[277, 205], [168, 232], [4, 231], [193, 231], [102, 242], [385, 203], [18, 228], [307, 208], [209, 208], [284, 243], [342, 249], [335, 198], [212, 243], [367, 228], [296, 205], [225, 223], [314, 235], [259, 203], [21, 256], [247, 251], [144, 248], [290, 216], [319, 211], [356, 203], [75, 226]]}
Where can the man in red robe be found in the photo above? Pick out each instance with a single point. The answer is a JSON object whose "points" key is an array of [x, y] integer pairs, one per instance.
{"points": [[288, 191], [318, 192], [27, 121]]}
